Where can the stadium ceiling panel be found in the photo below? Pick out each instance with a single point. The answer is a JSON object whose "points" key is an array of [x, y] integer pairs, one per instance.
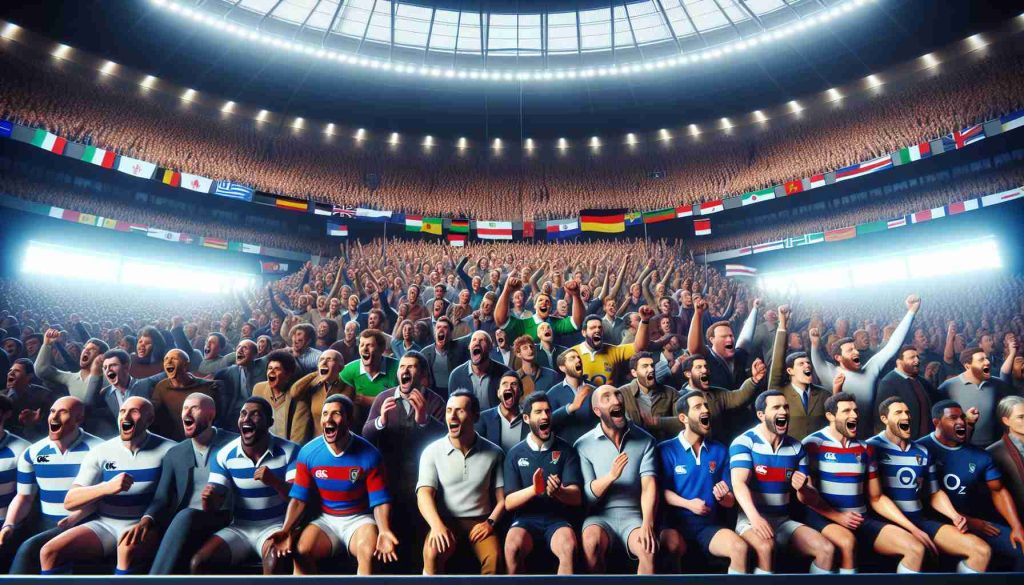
{"points": [[495, 39]]}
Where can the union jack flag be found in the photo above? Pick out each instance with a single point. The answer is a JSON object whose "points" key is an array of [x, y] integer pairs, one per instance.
{"points": [[339, 211]]}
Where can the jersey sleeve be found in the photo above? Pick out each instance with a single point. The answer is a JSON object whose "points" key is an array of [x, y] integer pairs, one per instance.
{"points": [[571, 468], [376, 480], [219, 474], [347, 376], [648, 465], [740, 453], [722, 473], [564, 326], [293, 457], [870, 464], [989, 469], [513, 482], [302, 479], [90, 472], [428, 476], [515, 326], [622, 353], [801, 461], [26, 475], [931, 482], [663, 460]]}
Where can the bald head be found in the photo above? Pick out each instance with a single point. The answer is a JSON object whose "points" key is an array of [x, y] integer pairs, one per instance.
{"points": [[65, 417], [176, 364], [609, 406], [245, 352], [197, 414], [134, 418], [329, 365]]}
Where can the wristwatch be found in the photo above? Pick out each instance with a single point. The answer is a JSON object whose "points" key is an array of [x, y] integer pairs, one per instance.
{"points": [[490, 522]]}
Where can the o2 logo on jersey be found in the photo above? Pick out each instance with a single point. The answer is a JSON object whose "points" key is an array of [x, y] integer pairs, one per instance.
{"points": [[952, 483], [906, 476], [109, 465], [761, 469], [320, 474]]}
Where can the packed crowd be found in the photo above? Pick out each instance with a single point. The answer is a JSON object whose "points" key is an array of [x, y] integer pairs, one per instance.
{"points": [[505, 406], [309, 164], [177, 221]]}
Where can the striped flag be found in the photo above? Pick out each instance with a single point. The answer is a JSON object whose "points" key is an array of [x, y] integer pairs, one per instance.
{"points": [[251, 248], [563, 228], [962, 206], [494, 230], [196, 183], [368, 214], [459, 226], [768, 247], [816, 181], [846, 233], [912, 153], [233, 190], [138, 227], [413, 223], [291, 204], [337, 229], [1001, 197], [659, 215], [805, 240], [684, 211], [709, 207], [49, 141], [456, 240], [605, 221], [1012, 120], [170, 177], [702, 227], [165, 235], [732, 270], [432, 225], [99, 157], [343, 211], [897, 223], [865, 168], [928, 215], [757, 196], [215, 243], [633, 218]]}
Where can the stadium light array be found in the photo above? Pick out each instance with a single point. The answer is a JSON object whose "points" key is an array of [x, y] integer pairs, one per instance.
{"points": [[262, 116], [936, 261], [228, 107], [361, 134], [834, 95], [631, 139], [595, 142], [329, 129], [529, 144], [188, 95], [497, 144], [929, 60], [462, 142], [148, 82], [695, 130], [872, 80], [61, 51], [108, 68], [115, 269], [663, 134], [393, 139], [428, 141], [741, 45], [563, 144], [760, 117], [795, 107]]}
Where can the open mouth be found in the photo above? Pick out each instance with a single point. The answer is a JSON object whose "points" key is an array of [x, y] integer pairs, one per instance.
{"points": [[324, 371], [704, 378], [330, 432], [271, 378], [904, 426], [987, 370], [808, 372], [617, 412], [55, 426], [405, 378], [127, 426], [960, 431], [781, 424], [441, 336], [365, 357], [170, 371], [111, 376], [851, 425], [247, 430], [544, 426], [729, 346], [856, 360], [705, 420], [507, 397], [476, 351], [454, 427]]}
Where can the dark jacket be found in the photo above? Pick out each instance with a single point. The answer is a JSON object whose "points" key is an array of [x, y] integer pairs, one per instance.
{"points": [[401, 440], [232, 393], [663, 406], [460, 378], [1011, 463], [456, 354], [893, 384], [174, 491], [802, 422], [101, 415], [489, 426]]}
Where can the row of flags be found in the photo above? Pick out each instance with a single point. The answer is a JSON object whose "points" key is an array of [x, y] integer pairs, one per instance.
{"points": [[851, 232], [607, 221]]}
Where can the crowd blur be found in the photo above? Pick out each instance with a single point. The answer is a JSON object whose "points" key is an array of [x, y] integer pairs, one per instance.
{"points": [[278, 159]]}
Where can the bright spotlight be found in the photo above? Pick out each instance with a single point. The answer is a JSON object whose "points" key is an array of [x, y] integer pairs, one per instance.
{"points": [[834, 95], [529, 144], [299, 123], [228, 107], [497, 144], [462, 142], [563, 144], [695, 130], [631, 139], [361, 134], [428, 141], [759, 116], [329, 129], [663, 134], [595, 142], [61, 52], [188, 94], [108, 68], [393, 139], [262, 116]]}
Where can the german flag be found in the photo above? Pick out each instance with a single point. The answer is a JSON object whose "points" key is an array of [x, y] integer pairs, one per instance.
{"points": [[292, 204], [170, 177], [606, 221]]}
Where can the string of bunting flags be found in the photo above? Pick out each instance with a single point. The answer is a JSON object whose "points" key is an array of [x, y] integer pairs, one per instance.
{"points": [[607, 221]]}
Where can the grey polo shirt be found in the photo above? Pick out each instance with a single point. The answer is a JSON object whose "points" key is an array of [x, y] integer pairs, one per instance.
{"points": [[201, 472], [984, 398], [466, 482], [511, 432], [597, 452]]}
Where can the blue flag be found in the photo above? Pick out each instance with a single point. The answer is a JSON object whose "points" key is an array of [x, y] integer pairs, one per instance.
{"points": [[6, 128], [233, 190]]}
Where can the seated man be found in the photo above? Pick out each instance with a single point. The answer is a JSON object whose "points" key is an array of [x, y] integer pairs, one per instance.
{"points": [[765, 464], [619, 481], [471, 490], [316, 387], [257, 468], [169, 395], [503, 425], [347, 473], [694, 473], [542, 478], [11, 449], [909, 472], [120, 477]]}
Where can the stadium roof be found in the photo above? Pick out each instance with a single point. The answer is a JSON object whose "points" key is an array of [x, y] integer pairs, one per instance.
{"points": [[527, 37]]}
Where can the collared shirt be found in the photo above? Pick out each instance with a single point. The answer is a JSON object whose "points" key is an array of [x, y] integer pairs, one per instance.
{"points": [[692, 474], [356, 376], [600, 364], [308, 360], [597, 452], [466, 482], [47, 470], [201, 472], [481, 384], [511, 431], [982, 396], [111, 458], [254, 500]]}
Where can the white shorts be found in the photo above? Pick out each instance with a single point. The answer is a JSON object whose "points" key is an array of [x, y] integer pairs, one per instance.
{"points": [[341, 528], [783, 526], [109, 531], [246, 539]]}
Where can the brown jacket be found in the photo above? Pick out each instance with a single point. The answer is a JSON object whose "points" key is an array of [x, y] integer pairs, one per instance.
{"points": [[167, 401], [801, 422], [291, 416], [663, 408], [315, 392], [1011, 465]]}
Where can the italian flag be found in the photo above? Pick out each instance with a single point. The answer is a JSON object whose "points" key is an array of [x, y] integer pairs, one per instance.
{"points": [[48, 141], [912, 153], [99, 157]]}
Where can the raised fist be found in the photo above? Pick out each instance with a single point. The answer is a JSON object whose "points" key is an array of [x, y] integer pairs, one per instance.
{"points": [[913, 303], [645, 313], [815, 334], [571, 287], [513, 284], [51, 336]]}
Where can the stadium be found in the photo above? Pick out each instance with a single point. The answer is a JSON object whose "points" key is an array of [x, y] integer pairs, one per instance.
{"points": [[683, 289]]}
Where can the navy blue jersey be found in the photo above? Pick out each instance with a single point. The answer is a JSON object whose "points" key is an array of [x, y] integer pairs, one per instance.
{"points": [[963, 473], [692, 475], [559, 459]]}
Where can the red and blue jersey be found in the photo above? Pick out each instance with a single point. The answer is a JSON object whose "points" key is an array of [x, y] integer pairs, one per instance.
{"points": [[771, 469], [351, 482], [841, 470]]}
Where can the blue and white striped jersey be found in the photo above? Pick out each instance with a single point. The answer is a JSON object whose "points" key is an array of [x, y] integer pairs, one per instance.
{"points": [[110, 458], [11, 448], [254, 500], [904, 473], [43, 469], [840, 471], [771, 470]]}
